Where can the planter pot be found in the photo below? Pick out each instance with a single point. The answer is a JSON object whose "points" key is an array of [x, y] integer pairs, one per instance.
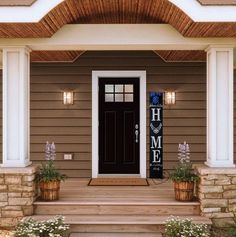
{"points": [[184, 191], [49, 191]]}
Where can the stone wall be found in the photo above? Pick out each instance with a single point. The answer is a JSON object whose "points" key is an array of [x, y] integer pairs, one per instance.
{"points": [[17, 193], [217, 194]]}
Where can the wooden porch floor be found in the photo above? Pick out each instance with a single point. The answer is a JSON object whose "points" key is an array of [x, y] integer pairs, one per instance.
{"points": [[77, 191]]}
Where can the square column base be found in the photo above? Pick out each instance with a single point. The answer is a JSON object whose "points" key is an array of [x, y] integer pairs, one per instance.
{"points": [[17, 192], [216, 192]]}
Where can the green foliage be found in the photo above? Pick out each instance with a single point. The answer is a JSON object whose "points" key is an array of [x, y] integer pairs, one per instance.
{"points": [[233, 231], [51, 228], [176, 227], [48, 172], [183, 173]]}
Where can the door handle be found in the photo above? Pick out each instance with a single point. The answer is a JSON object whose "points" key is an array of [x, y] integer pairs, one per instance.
{"points": [[136, 133]]}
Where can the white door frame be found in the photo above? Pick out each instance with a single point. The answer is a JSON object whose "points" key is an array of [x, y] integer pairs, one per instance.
{"points": [[95, 115]]}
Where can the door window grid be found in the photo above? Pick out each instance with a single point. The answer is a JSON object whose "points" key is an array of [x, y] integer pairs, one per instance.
{"points": [[119, 93]]}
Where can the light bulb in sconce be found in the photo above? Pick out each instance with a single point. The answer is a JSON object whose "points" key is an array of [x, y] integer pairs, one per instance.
{"points": [[169, 97], [68, 98]]}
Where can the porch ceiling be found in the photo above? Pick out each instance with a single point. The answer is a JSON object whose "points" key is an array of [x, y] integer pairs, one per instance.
{"points": [[166, 55], [55, 56], [182, 55], [119, 12]]}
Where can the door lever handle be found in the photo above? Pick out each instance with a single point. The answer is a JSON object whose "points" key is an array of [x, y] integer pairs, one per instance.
{"points": [[136, 133]]}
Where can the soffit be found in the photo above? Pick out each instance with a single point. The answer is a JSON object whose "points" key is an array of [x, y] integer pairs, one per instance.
{"points": [[117, 12], [17, 2]]}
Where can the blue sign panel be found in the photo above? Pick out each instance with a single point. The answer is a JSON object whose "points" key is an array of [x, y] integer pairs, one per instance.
{"points": [[156, 135]]}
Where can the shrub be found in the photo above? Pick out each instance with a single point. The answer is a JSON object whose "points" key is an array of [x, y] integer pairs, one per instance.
{"points": [[176, 227], [51, 228], [48, 173]]}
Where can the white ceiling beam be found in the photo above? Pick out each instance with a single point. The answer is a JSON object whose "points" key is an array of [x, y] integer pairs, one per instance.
{"points": [[118, 37]]}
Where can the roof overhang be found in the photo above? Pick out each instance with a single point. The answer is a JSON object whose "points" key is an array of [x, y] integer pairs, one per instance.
{"points": [[44, 18]]}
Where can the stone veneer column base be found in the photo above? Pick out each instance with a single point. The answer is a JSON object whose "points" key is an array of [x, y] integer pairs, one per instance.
{"points": [[217, 194], [17, 194]]}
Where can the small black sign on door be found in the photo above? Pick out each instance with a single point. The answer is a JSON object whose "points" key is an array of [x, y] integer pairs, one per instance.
{"points": [[156, 135]]}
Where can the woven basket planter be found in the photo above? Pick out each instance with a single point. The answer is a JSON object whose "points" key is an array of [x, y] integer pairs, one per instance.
{"points": [[184, 191], [49, 191]]}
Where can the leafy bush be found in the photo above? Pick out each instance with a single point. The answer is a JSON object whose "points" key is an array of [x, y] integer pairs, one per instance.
{"points": [[176, 227], [51, 228], [184, 173], [233, 231], [48, 172]]}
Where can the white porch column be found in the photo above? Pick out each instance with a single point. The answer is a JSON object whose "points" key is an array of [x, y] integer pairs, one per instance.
{"points": [[16, 84], [220, 110]]}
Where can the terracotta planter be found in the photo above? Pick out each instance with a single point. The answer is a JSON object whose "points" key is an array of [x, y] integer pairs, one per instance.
{"points": [[49, 191], [184, 191]]}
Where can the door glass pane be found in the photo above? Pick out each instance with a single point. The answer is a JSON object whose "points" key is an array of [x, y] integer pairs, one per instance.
{"points": [[119, 88], [109, 97], [129, 97], [109, 88], [129, 88], [119, 97]]}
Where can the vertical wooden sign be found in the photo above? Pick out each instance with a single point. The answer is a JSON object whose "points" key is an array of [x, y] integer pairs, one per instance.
{"points": [[156, 135]]}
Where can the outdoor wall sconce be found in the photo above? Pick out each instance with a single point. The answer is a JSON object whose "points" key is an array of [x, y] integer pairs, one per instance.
{"points": [[68, 97], [169, 97]]}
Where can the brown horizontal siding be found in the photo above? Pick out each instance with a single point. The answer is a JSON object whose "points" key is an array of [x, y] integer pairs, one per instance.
{"points": [[70, 127]]}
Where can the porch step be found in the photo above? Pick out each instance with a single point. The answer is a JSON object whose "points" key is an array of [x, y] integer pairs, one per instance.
{"points": [[118, 223], [115, 235], [117, 208]]}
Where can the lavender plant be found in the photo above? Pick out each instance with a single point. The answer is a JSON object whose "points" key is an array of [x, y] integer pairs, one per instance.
{"points": [[48, 172], [183, 172], [184, 153], [47, 151], [53, 151]]}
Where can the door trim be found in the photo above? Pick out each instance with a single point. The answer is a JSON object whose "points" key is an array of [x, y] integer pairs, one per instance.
{"points": [[95, 116]]}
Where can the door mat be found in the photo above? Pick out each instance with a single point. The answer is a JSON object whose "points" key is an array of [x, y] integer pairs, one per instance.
{"points": [[118, 182]]}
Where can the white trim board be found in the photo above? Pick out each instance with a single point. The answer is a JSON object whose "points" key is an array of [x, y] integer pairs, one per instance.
{"points": [[117, 37], [95, 115]]}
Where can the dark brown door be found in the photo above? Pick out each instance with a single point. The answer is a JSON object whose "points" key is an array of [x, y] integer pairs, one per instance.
{"points": [[119, 125]]}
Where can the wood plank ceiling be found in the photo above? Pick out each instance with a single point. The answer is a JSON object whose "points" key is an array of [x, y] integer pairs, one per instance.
{"points": [[55, 56], [182, 55], [116, 11], [71, 56]]}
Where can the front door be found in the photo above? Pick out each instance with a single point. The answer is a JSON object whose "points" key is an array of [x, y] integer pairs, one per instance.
{"points": [[119, 125]]}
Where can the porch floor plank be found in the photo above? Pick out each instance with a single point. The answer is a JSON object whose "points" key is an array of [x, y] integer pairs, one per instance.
{"points": [[77, 191], [120, 219]]}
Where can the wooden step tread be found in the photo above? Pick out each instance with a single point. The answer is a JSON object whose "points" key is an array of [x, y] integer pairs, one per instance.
{"points": [[120, 219], [117, 203], [115, 235]]}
